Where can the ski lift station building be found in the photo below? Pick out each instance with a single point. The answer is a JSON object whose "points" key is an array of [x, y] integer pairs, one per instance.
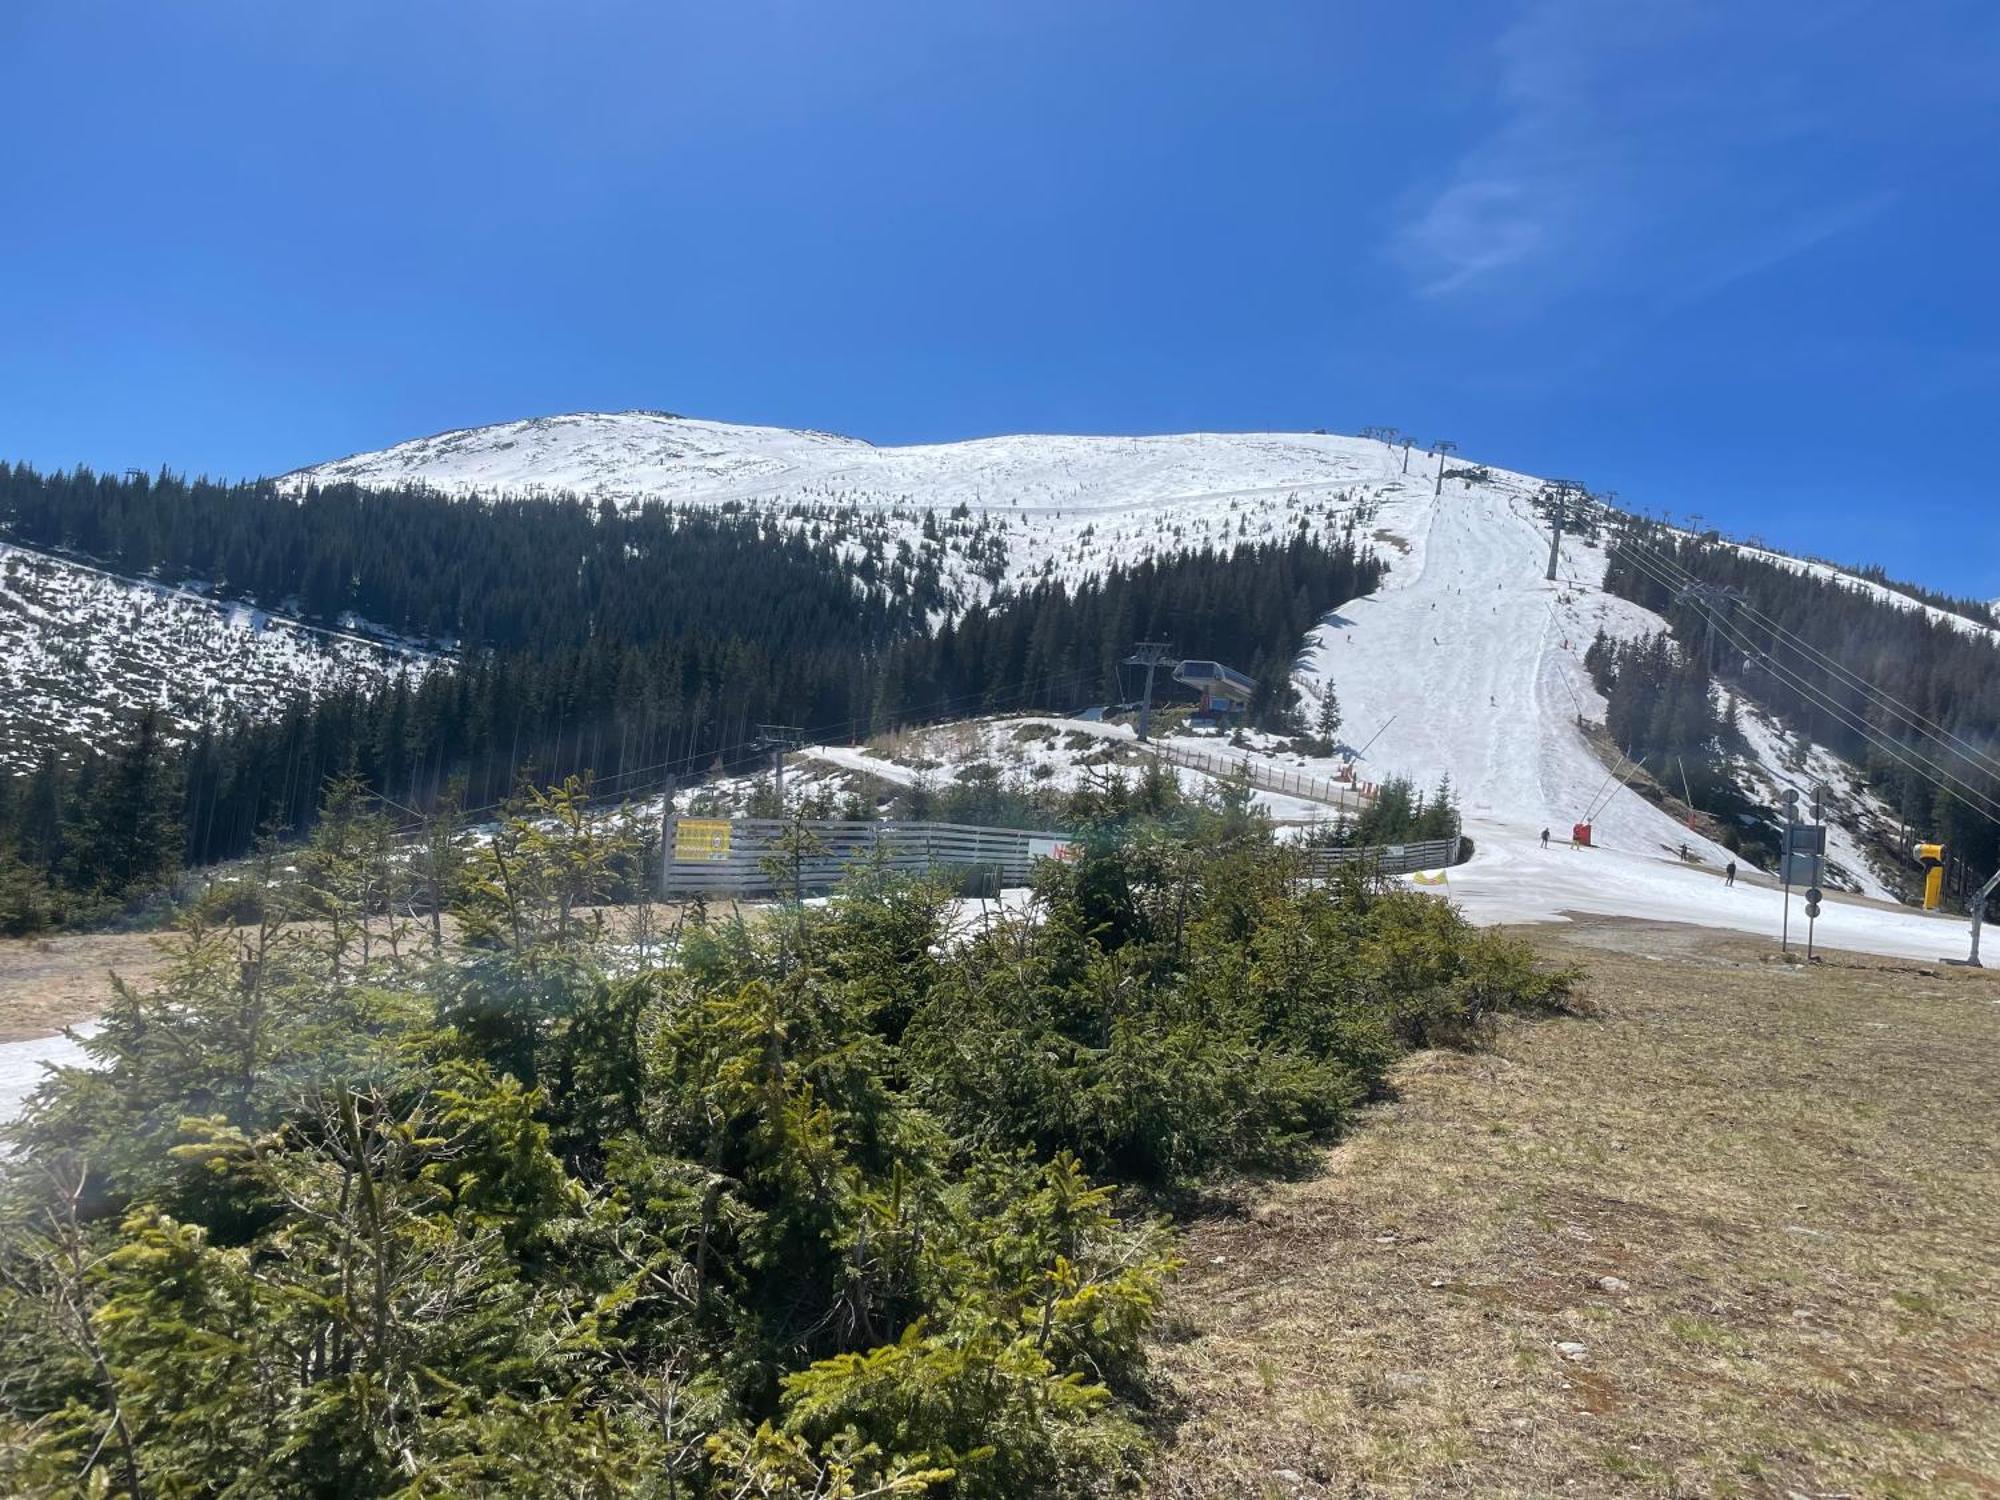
{"points": [[1224, 690]]}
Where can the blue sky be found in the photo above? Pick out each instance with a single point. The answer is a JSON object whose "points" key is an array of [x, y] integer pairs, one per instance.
{"points": [[1728, 259]]}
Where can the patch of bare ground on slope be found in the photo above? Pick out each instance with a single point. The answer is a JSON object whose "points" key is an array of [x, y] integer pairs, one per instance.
{"points": [[60, 979], [50, 982], [1737, 1236]]}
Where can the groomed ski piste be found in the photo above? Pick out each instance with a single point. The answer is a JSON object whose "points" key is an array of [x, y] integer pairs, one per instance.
{"points": [[1471, 665], [1466, 663]]}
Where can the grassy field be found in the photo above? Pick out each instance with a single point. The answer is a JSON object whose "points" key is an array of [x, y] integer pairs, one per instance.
{"points": [[1737, 1235], [57, 980], [49, 982]]}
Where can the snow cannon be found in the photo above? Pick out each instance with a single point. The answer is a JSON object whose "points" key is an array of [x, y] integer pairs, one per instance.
{"points": [[1931, 857], [1225, 692]]}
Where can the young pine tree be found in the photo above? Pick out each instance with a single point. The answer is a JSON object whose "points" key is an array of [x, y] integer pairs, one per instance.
{"points": [[1327, 726]]}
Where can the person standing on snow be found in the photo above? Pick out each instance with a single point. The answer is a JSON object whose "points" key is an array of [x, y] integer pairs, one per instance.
{"points": [[1545, 838], [1729, 873]]}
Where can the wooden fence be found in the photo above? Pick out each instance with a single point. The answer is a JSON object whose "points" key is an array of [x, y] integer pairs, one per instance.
{"points": [[1345, 796], [746, 855]]}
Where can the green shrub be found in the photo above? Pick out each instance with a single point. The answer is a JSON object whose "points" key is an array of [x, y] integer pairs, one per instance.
{"points": [[823, 1204]]}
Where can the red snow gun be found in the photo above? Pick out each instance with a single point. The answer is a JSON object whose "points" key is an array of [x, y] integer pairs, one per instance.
{"points": [[1579, 833]]}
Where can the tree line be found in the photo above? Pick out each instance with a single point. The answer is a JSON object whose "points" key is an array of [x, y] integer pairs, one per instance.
{"points": [[1947, 675], [505, 574], [631, 696]]}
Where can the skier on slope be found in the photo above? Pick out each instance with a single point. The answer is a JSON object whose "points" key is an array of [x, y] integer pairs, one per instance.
{"points": [[1545, 838], [1729, 873]]}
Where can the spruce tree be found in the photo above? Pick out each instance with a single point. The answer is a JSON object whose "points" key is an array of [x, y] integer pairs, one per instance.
{"points": [[129, 830], [1327, 726]]}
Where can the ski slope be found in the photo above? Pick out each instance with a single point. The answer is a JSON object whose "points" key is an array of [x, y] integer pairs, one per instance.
{"points": [[1511, 878], [1469, 664]]}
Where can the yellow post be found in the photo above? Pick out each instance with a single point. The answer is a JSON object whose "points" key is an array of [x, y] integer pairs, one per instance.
{"points": [[1931, 856]]}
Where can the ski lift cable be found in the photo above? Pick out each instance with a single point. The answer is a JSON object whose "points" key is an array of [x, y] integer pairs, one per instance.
{"points": [[1849, 717], [1930, 728], [1805, 648], [1679, 577], [1655, 571], [1921, 766], [1926, 770]]}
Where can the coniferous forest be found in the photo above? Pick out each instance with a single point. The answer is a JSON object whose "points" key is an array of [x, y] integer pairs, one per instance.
{"points": [[1949, 678], [625, 645]]}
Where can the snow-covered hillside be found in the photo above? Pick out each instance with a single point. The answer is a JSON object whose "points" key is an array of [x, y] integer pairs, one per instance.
{"points": [[1466, 664], [1879, 592], [1061, 506], [81, 649]]}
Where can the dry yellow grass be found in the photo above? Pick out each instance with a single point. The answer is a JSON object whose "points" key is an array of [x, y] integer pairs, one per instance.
{"points": [[50, 982], [1760, 1207]]}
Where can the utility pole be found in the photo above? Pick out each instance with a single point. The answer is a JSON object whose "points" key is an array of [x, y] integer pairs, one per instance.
{"points": [[1150, 655], [1819, 867], [1785, 866], [1559, 493], [1441, 447], [1979, 917], [778, 738]]}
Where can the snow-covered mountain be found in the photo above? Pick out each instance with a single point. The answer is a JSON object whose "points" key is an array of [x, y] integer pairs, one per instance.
{"points": [[1466, 664], [1062, 504], [82, 649], [1057, 505]]}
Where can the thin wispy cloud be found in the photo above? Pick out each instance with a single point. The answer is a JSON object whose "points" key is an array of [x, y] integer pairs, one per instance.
{"points": [[1638, 144], [1788, 243]]}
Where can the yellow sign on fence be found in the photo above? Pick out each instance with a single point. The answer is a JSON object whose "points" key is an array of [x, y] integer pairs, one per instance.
{"points": [[701, 840]]}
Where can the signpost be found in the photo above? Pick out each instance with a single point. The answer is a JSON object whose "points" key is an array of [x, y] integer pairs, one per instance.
{"points": [[1785, 867], [1805, 854], [1803, 862], [1979, 917]]}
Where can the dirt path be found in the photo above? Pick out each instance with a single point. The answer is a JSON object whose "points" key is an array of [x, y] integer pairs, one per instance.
{"points": [[1735, 1237]]}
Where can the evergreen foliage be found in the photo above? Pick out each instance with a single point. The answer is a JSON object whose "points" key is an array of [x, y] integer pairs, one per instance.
{"points": [[837, 1203], [618, 645], [1948, 675]]}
